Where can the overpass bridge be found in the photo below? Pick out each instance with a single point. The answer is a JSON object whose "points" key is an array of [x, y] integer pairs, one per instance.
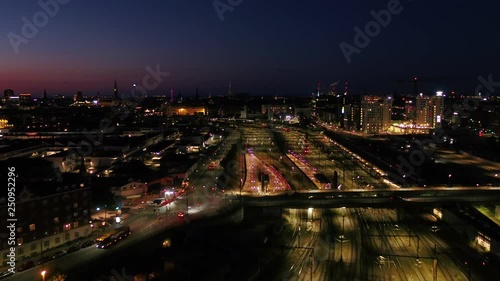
{"points": [[375, 198]]}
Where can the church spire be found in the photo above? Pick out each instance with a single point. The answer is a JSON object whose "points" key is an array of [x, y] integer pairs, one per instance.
{"points": [[229, 91]]}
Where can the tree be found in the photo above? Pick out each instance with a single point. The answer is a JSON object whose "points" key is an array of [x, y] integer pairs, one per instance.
{"points": [[103, 197]]}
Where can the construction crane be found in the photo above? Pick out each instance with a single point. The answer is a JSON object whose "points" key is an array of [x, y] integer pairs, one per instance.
{"points": [[332, 87]]}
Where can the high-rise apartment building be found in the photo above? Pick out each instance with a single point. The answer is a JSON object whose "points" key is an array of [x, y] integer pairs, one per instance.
{"points": [[429, 110], [375, 114]]}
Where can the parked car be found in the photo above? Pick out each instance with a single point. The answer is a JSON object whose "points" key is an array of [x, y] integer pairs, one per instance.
{"points": [[59, 254], [43, 260], [5, 274], [79, 239], [87, 244], [73, 249], [26, 265]]}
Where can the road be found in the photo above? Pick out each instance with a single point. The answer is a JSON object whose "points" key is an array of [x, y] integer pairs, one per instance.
{"points": [[265, 146], [145, 223], [255, 168]]}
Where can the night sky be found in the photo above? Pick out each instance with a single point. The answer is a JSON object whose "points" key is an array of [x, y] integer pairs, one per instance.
{"points": [[261, 47]]}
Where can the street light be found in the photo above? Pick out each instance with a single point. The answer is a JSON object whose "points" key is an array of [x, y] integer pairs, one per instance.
{"points": [[342, 237], [241, 187], [468, 271], [43, 274]]}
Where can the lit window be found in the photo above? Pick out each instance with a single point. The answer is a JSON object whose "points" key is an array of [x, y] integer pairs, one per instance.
{"points": [[32, 227], [56, 220]]}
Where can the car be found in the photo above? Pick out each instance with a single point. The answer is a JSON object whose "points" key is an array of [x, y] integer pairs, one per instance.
{"points": [[5, 274], [26, 265], [73, 249], [79, 239], [380, 260], [43, 260], [87, 244], [59, 254], [158, 201], [181, 214]]}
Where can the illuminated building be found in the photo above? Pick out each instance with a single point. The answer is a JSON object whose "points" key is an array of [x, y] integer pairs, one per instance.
{"points": [[4, 126], [375, 114], [429, 110], [186, 110]]}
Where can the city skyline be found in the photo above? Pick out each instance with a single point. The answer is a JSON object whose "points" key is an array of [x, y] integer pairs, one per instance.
{"points": [[247, 46], [249, 140]]}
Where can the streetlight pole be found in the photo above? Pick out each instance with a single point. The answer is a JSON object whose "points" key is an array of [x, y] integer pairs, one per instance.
{"points": [[343, 172], [299, 235], [418, 245], [342, 238], [468, 271], [312, 263], [435, 265], [241, 187]]}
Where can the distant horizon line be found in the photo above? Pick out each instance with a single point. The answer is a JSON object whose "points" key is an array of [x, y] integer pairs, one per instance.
{"points": [[245, 93]]}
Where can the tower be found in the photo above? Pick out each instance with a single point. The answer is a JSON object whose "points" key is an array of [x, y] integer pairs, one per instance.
{"points": [[115, 91], [229, 91], [333, 89], [79, 96], [171, 96]]}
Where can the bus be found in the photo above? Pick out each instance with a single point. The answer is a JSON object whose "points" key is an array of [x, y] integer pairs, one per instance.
{"points": [[110, 238]]}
